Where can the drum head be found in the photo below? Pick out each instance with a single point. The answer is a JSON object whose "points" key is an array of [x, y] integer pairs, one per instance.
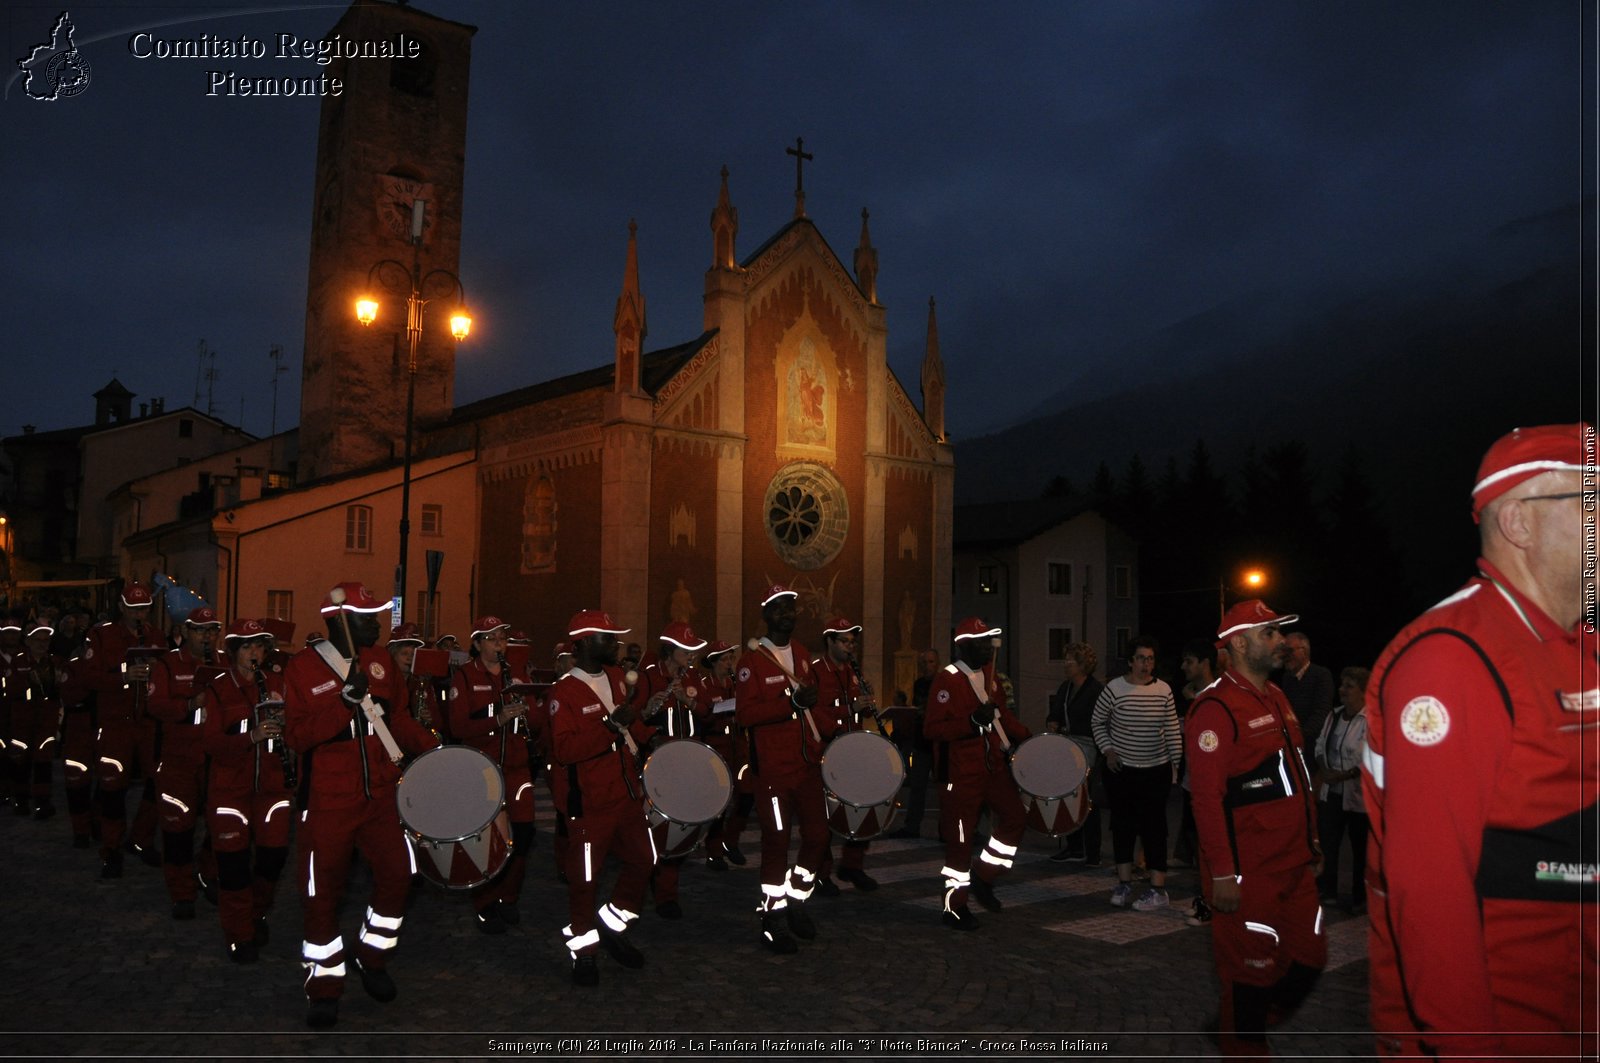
{"points": [[687, 782], [862, 769], [450, 793], [1048, 766]]}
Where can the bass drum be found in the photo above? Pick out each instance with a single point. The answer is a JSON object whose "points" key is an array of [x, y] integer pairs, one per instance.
{"points": [[861, 774], [686, 786], [453, 806], [1051, 772]]}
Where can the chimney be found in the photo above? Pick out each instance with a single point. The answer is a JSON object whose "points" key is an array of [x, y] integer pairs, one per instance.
{"points": [[144, 409]]}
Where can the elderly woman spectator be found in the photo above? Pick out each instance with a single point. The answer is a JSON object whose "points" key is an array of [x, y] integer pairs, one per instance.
{"points": [[1340, 808]]}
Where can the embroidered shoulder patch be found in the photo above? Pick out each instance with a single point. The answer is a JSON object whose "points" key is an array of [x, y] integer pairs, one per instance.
{"points": [[1207, 741], [376, 670], [1260, 721], [1424, 721], [323, 688], [554, 705], [943, 697], [744, 675], [590, 710]]}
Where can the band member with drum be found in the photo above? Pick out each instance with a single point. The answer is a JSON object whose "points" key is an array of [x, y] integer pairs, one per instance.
{"points": [[967, 711], [727, 738], [493, 722], [345, 721], [119, 686], [777, 698], [1256, 816], [422, 701], [595, 740], [842, 706], [249, 787], [41, 719], [671, 696]]}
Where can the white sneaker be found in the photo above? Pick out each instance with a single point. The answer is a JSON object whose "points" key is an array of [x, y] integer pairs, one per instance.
{"points": [[1150, 900], [1121, 895]]}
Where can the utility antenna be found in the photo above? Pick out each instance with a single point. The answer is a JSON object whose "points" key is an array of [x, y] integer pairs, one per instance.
{"points": [[278, 369], [211, 385], [199, 373]]}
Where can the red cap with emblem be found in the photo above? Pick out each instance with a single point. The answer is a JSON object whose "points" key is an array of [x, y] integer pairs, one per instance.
{"points": [[974, 628], [488, 625], [246, 629], [776, 591], [840, 626], [682, 636], [518, 637], [594, 622], [282, 630], [203, 616], [136, 595], [351, 598], [1252, 612], [1524, 453], [407, 634], [716, 649]]}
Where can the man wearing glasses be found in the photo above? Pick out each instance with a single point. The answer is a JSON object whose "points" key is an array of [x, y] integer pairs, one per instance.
{"points": [[1480, 779]]}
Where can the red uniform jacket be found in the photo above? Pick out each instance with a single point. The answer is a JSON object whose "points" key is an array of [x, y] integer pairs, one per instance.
{"points": [[100, 668], [973, 754], [781, 743], [593, 770], [1481, 785], [343, 762], [838, 694], [1254, 807], [240, 767], [177, 682], [474, 700], [676, 720]]}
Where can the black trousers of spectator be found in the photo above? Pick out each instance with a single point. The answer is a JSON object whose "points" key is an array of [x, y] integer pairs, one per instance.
{"points": [[1333, 823], [1139, 811]]}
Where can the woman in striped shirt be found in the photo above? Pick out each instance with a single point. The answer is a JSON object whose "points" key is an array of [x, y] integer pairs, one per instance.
{"points": [[1136, 728]]}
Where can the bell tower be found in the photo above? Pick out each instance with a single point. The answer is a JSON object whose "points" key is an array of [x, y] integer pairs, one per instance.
{"points": [[397, 134]]}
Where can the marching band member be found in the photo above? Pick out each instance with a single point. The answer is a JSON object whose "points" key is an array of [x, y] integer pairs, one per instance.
{"points": [[249, 787], [484, 717], [776, 694], [595, 738], [967, 711], [119, 689], [842, 705], [558, 844], [14, 682], [671, 697], [724, 736], [42, 718], [341, 697], [78, 730], [177, 703], [422, 700]]}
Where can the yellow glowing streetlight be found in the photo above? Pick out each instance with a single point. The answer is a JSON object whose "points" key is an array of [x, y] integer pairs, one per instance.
{"points": [[1253, 578]]}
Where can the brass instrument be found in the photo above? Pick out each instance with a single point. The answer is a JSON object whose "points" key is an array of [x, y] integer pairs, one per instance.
{"points": [[419, 703], [286, 756]]}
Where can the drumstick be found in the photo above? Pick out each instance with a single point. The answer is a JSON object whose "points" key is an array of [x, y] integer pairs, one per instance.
{"points": [[755, 645]]}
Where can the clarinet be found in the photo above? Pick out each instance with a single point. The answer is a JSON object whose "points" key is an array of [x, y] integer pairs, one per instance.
{"points": [[867, 695], [286, 756]]}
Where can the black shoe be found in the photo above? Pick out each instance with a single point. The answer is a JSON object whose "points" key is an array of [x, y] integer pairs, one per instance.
{"points": [[489, 921], [735, 857], [775, 937], [263, 932], [111, 866], [323, 1014], [44, 811], [961, 919], [378, 984], [858, 878], [585, 971], [243, 952], [827, 887], [983, 892], [509, 914], [82, 841], [622, 950], [669, 910], [208, 890], [183, 909], [716, 863], [800, 924]]}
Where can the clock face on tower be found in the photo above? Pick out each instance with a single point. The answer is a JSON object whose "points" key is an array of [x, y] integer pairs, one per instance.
{"points": [[395, 198]]}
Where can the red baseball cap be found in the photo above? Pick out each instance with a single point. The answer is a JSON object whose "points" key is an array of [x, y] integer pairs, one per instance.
{"points": [[716, 649], [518, 637], [136, 595], [563, 649], [407, 634], [246, 630], [1252, 612], [778, 590], [1524, 453], [682, 636], [488, 625], [41, 627], [282, 630], [840, 626], [203, 616], [351, 598], [974, 628], [594, 622]]}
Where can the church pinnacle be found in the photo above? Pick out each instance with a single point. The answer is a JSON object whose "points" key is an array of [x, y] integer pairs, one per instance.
{"points": [[933, 379], [867, 263], [724, 228], [629, 320]]}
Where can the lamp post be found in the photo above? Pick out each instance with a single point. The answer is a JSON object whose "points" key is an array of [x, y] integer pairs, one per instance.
{"points": [[414, 285]]}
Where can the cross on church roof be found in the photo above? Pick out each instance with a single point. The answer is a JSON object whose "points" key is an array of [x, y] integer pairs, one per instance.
{"points": [[801, 157]]}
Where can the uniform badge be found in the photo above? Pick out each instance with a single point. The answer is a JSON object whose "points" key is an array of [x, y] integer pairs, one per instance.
{"points": [[1207, 741], [554, 705], [744, 675], [1424, 721], [942, 697], [376, 670], [693, 692]]}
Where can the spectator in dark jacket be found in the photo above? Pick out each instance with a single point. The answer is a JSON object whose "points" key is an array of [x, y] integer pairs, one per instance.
{"points": [[1071, 712]]}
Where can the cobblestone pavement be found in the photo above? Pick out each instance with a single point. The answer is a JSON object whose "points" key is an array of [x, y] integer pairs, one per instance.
{"points": [[102, 969]]}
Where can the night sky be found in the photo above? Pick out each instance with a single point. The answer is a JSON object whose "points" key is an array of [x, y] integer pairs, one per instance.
{"points": [[1063, 177]]}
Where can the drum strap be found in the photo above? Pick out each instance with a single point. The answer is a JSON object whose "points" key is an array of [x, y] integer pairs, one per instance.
{"points": [[372, 710]]}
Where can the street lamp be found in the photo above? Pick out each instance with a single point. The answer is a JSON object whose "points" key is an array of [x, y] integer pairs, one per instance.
{"points": [[1253, 578], [413, 284]]}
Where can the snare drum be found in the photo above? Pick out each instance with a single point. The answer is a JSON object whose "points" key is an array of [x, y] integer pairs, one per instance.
{"points": [[453, 806], [686, 786], [1052, 774], [861, 774]]}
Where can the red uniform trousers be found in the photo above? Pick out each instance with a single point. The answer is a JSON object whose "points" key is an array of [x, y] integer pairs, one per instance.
{"points": [[781, 801], [591, 837], [77, 755], [725, 829], [181, 782], [40, 720], [116, 747], [236, 821], [327, 840], [520, 808], [962, 801], [147, 816]]}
